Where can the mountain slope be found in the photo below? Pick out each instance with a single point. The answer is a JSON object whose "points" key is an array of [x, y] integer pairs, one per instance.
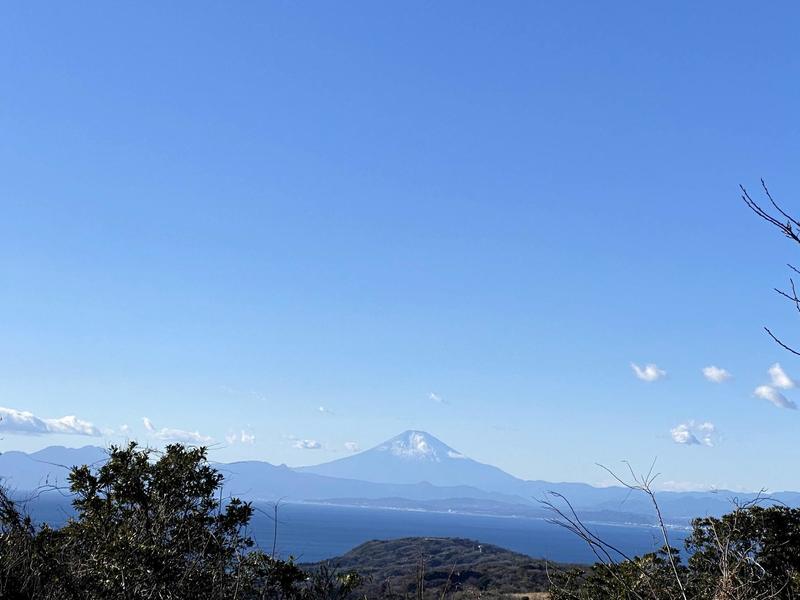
{"points": [[413, 457]]}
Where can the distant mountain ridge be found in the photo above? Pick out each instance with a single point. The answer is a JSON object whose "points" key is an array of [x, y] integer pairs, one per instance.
{"points": [[47, 467], [411, 471], [261, 480]]}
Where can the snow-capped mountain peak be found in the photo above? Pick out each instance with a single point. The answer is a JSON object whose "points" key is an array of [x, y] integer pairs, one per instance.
{"points": [[418, 445], [412, 457]]}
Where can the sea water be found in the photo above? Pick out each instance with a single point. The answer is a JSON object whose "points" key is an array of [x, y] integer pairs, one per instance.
{"points": [[312, 532]]}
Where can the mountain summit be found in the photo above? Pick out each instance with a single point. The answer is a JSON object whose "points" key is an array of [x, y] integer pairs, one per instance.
{"points": [[418, 445], [414, 457]]}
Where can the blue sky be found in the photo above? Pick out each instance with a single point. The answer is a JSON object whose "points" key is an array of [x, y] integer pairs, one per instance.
{"points": [[223, 218]]}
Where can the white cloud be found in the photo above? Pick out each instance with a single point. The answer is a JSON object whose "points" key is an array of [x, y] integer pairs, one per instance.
{"points": [[434, 397], [23, 422], [352, 446], [682, 435], [307, 445], [71, 425], [168, 434], [779, 377], [649, 372], [716, 374], [242, 437], [325, 411], [770, 394], [692, 433]]}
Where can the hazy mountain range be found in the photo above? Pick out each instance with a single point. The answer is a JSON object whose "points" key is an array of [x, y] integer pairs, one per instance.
{"points": [[413, 470]]}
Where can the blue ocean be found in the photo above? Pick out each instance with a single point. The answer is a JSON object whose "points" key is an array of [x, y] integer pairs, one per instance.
{"points": [[312, 532]]}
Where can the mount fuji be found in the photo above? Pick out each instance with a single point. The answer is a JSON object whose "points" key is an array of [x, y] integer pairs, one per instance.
{"points": [[416, 457]]}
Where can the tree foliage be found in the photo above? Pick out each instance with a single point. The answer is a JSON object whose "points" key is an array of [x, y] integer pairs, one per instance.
{"points": [[751, 553], [149, 526]]}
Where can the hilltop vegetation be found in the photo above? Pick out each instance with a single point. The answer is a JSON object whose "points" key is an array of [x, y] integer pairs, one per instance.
{"points": [[753, 553], [397, 568]]}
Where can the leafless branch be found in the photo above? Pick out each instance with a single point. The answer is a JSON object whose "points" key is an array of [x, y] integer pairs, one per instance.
{"points": [[780, 343]]}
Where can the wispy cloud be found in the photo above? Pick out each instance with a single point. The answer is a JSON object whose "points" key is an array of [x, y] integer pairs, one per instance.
{"points": [[434, 397], [168, 434], [307, 445], [325, 411], [770, 394], [692, 433], [352, 446], [649, 372], [23, 422], [241, 437], [716, 374], [779, 377]]}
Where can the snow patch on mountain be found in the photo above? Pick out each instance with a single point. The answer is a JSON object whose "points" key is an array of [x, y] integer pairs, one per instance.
{"points": [[413, 457], [414, 445]]}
